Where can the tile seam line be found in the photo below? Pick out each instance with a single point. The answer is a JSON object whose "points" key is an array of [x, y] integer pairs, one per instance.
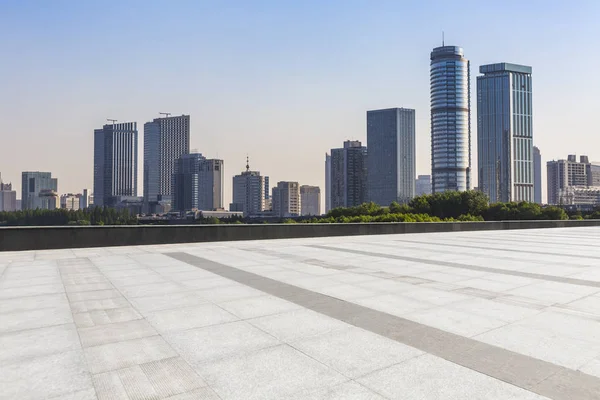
{"points": [[497, 249], [533, 387], [550, 278]]}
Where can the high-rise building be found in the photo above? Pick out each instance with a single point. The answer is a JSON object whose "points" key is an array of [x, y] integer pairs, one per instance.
{"points": [[537, 175], [70, 201], [423, 185], [450, 120], [165, 140], [563, 174], [8, 197], [391, 162], [115, 163], [327, 182], [38, 190], [197, 183], [286, 199], [310, 200], [84, 200], [249, 192], [505, 132], [348, 175]]}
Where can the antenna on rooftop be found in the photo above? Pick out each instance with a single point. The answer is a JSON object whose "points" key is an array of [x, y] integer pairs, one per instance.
{"points": [[167, 115], [247, 163], [111, 120], [443, 39]]}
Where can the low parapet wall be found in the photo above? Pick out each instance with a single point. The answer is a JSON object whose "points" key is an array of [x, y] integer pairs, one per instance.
{"points": [[64, 237]]}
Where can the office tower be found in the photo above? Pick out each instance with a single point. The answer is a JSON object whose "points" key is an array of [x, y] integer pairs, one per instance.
{"points": [[391, 162], [8, 197], [286, 199], [450, 120], [310, 200], [563, 174], [36, 190], [83, 200], [327, 182], [197, 183], [249, 193], [423, 185], [537, 175], [348, 175], [505, 132], [70, 201], [165, 140], [115, 163]]}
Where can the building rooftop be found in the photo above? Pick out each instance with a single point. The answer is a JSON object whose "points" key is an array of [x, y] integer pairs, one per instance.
{"points": [[500, 67], [465, 315]]}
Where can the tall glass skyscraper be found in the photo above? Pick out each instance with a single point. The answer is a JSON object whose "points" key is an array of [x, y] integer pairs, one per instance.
{"points": [[348, 179], [537, 175], [165, 140], [450, 120], [391, 160], [115, 162], [505, 132]]}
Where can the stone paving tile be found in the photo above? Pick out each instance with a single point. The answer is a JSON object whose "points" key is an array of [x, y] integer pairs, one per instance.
{"points": [[93, 295], [101, 317], [189, 317], [167, 301], [115, 332], [57, 300], [93, 305], [345, 391], [258, 306], [53, 376], [36, 318], [208, 344], [273, 373], [125, 354]]}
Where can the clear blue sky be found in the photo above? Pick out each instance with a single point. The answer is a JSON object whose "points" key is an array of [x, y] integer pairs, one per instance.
{"points": [[282, 81]]}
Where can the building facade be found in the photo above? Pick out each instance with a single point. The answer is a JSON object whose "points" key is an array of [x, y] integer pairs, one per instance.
{"points": [[197, 183], [327, 182], [562, 174], [505, 132], [310, 200], [348, 175], [450, 120], [8, 197], [84, 200], [70, 201], [391, 161], [423, 185], [36, 188], [286, 199], [537, 175], [165, 140], [250, 192], [115, 163]]}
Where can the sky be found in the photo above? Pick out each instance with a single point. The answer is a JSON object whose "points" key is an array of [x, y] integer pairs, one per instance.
{"points": [[280, 81]]}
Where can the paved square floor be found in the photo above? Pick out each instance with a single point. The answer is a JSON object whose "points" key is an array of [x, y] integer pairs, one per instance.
{"points": [[467, 315]]}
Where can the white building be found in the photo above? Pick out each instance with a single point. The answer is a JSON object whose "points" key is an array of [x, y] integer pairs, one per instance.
{"points": [[286, 199], [310, 200], [70, 201], [8, 197]]}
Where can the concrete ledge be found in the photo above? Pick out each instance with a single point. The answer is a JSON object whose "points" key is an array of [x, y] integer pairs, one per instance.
{"points": [[65, 237]]}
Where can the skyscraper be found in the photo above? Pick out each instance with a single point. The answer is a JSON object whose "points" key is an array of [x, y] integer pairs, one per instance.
{"points": [[84, 200], [165, 140], [37, 190], [423, 185], [249, 193], [391, 161], [197, 183], [505, 132], [327, 182], [115, 162], [348, 175], [286, 199], [537, 175], [8, 197], [310, 200], [450, 120]]}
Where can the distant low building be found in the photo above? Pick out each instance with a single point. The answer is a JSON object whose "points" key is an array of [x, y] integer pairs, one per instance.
{"points": [[565, 174], [8, 197], [286, 199], [310, 200], [579, 196], [218, 214], [423, 185], [36, 187], [70, 201]]}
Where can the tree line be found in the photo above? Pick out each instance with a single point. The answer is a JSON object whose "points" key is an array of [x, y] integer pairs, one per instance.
{"points": [[89, 216]]}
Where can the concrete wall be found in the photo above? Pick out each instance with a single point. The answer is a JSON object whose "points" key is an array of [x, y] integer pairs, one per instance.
{"points": [[62, 237]]}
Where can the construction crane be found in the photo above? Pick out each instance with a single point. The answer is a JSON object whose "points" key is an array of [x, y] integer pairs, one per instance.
{"points": [[111, 120], [167, 115]]}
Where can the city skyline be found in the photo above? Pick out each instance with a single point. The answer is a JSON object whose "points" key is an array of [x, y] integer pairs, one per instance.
{"points": [[330, 74]]}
